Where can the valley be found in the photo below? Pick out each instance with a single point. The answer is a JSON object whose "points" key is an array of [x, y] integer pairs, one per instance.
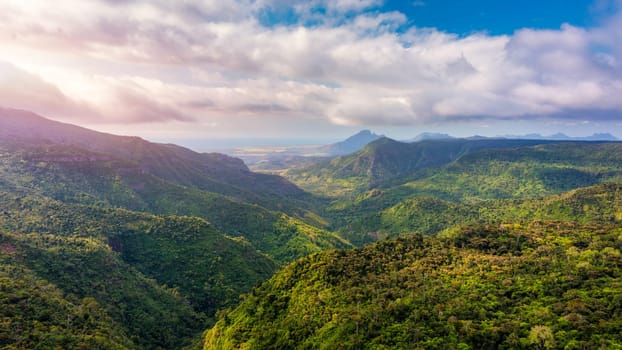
{"points": [[115, 242]]}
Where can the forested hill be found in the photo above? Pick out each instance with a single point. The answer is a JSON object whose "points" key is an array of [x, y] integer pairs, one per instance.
{"points": [[158, 279], [514, 173], [546, 285], [213, 172], [57, 160], [114, 242], [385, 159], [427, 215]]}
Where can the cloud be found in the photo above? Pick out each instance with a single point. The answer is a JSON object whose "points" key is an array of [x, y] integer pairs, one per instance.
{"points": [[116, 101], [190, 61], [22, 90], [139, 108]]}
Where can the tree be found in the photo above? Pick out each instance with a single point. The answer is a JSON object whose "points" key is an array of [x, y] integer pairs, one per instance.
{"points": [[541, 337]]}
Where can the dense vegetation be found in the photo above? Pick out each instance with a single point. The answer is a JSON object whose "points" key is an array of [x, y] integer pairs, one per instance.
{"points": [[114, 242], [546, 285], [35, 313], [519, 262], [517, 173], [75, 175], [186, 253], [156, 273], [94, 298], [386, 159], [600, 203]]}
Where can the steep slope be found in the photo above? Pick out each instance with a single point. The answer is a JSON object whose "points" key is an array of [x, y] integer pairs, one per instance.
{"points": [[108, 298], [524, 172], [209, 269], [74, 175], [386, 159], [211, 172], [548, 285], [600, 203], [35, 312]]}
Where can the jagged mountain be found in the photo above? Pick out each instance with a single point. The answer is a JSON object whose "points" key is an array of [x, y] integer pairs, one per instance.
{"points": [[351, 144]]}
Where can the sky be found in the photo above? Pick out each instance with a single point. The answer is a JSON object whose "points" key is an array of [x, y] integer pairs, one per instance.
{"points": [[199, 72]]}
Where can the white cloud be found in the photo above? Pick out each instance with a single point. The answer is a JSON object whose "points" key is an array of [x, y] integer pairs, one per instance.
{"points": [[205, 62], [23, 90]]}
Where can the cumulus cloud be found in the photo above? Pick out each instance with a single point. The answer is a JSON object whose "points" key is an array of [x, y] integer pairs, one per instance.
{"points": [[353, 66], [22, 90]]}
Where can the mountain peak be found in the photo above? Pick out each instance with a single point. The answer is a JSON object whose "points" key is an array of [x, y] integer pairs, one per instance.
{"points": [[362, 135], [353, 143]]}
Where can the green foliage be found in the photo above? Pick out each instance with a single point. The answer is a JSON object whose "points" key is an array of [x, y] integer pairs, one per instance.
{"points": [[74, 175], [186, 253], [516, 262], [36, 314], [388, 160], [521, 173], [100, 288], [550, 284], [426, 215]]}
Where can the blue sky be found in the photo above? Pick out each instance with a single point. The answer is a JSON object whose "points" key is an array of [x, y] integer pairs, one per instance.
{"points": [[315, 69], [465, 17], [494, 16]]}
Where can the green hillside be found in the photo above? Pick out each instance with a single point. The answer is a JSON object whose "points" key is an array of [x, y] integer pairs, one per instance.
{"points": [[520, 173], [600, 203], [75, 175], [109, 301], [115, 242], [386, 159], [34, 312], [208, 268], [546, 285], [48, 141]]}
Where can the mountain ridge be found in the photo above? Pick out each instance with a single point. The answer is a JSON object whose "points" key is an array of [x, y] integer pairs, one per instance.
{"points": [[385, 159], [206, 171]]}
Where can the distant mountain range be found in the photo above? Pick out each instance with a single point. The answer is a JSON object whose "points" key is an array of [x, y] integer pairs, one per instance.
{"points": [[560, 136], [556, 137], [289, 157]]}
